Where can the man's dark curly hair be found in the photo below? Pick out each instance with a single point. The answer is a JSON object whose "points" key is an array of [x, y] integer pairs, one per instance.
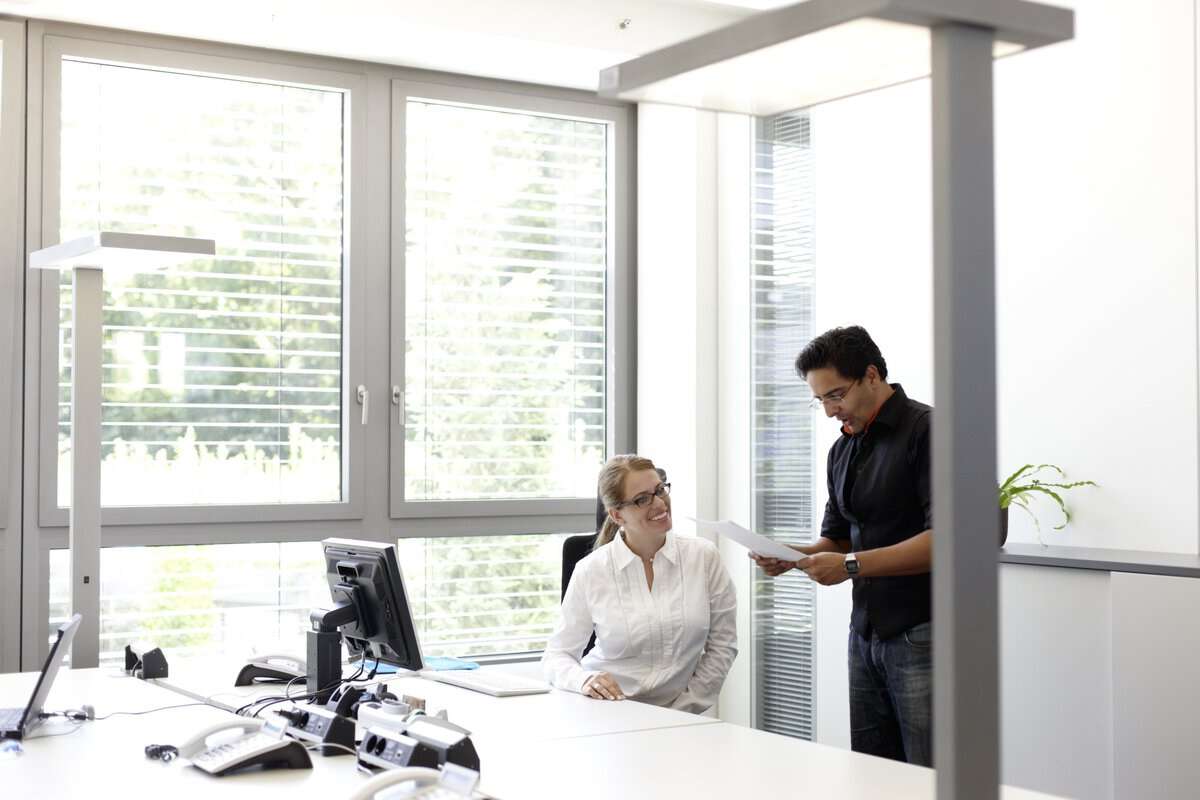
{"points": [[849, 350]]}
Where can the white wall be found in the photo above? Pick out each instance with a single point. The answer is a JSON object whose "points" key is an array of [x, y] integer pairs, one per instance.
{"points": [[677, 319], [1096, 232]]}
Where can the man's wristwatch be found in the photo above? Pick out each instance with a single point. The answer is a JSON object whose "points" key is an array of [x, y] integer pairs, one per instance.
{"points": [[851, 565]]}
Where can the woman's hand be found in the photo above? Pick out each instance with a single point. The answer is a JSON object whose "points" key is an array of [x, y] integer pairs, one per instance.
{"points": [[603, 686]]}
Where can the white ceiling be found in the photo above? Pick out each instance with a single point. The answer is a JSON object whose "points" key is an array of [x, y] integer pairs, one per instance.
{"points": [[558, 42]]}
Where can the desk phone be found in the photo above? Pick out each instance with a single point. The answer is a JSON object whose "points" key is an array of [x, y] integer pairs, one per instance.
{"points": [[262, 743]]}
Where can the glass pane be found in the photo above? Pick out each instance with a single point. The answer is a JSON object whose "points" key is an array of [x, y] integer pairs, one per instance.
{"points": [[222, 379], [507, 248], [483, 594], [470, 596], [783, 284], [231, 600]]}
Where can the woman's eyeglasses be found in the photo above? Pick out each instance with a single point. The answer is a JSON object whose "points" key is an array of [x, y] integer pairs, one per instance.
{"points": [[646, 498]]}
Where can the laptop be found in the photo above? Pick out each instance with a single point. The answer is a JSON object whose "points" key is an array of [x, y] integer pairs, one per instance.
{"points": [[16, 723]]}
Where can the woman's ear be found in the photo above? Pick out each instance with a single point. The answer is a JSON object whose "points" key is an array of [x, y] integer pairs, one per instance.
{"points": [[615, 515]]}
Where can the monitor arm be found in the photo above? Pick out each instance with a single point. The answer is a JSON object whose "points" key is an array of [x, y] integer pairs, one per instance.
{"points": [[324, 660]]}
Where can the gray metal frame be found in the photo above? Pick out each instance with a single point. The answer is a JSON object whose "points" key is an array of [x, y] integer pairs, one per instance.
{"points": [[620, 304], [1016, 21], [12, 282]]}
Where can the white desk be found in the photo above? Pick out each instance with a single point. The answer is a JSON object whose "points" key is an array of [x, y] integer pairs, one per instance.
{"points": [[105, 758], [493, 721], [540, 746], [710, 761]]}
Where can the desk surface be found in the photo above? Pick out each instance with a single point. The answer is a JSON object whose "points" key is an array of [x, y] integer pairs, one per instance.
{"points": [[493, 721], [575, 743], [710, 761]]}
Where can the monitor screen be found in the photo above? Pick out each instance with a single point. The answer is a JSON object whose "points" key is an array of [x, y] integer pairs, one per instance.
{"points": [[367, 576]]}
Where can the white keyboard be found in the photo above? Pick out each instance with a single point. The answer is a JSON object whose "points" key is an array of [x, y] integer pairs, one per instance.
{"points": [[489, 681]]}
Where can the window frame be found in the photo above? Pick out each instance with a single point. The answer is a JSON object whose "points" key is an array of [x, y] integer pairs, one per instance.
{"points": [[620, 303], [56, 47], [12, 283]]}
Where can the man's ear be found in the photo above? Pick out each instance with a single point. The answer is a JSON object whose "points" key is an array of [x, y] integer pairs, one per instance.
{"points": [[872, 374]]}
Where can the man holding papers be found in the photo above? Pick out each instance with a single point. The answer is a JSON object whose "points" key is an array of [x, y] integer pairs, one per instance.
{"points": [[877, 532]]}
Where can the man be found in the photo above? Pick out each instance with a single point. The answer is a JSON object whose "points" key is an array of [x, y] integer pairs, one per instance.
{"points": [[877, 532]]}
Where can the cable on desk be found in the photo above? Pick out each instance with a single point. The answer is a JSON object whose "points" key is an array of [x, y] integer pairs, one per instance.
{"points": [[75, 725], [319, 748], [154, 710], [264, 703]]}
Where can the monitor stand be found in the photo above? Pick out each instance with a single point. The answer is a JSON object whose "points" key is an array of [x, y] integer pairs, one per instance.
{"points": [[324, 660]]}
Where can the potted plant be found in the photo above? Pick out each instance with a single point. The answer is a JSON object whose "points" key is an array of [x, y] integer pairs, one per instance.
{"points": [[1023, 485]]}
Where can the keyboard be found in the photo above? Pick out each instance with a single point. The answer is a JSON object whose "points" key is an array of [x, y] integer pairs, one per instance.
{"points": [[10, 719], [489, 681]]}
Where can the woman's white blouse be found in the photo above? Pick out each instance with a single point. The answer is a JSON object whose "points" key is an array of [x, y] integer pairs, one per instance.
{"points": [[672, 646]]}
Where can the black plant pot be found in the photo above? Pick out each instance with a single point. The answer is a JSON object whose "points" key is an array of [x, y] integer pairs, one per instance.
{"points": [[1003, 526]]}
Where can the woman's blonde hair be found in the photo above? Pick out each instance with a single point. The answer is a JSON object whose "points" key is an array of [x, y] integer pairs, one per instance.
{"points": [[611, 488]]}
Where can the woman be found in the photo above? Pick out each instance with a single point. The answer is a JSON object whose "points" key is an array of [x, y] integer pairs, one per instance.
{"points": [[662, 606]]}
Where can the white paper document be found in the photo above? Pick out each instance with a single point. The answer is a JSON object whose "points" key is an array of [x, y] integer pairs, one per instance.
{"points": [[754, 542]]}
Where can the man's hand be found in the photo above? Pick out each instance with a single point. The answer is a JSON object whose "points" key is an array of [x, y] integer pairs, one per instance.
{"points": [[603, 686], [775, 566], [826, 569]]}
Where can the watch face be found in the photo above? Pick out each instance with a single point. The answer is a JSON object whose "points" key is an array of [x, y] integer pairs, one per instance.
{"points": [[852, 566]]}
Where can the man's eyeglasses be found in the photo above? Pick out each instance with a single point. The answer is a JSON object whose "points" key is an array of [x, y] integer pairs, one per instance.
{"points": [[833, 398], [646, 498]]}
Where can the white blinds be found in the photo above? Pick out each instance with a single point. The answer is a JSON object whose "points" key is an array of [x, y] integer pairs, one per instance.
{"points": [[782, 317], [222, 380], [507, 246]]}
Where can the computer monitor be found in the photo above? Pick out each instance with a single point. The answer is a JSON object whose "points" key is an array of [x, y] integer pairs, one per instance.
{"points": [[371, 614]]}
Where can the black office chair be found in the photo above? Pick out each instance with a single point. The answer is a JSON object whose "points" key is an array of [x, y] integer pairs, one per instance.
{"points": [[575, 548]]}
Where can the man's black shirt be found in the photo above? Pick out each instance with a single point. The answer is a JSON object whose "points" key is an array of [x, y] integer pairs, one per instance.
{"points": [[879, 495]]}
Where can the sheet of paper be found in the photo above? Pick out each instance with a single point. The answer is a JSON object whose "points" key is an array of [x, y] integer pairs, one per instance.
{"points": [[754, 542]]}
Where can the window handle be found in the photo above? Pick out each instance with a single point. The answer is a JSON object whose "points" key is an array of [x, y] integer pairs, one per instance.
{"points": [[364, 400]]}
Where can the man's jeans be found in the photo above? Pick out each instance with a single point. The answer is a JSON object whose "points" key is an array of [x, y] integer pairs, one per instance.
{"points": [[891, 695]]}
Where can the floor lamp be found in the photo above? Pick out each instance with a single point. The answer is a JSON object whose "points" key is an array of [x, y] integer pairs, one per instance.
{"points": [[820, 50], [88, 258]]}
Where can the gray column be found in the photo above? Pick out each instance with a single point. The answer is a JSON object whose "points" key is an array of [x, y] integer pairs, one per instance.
{"points": [[87, 336], [966, 526]]}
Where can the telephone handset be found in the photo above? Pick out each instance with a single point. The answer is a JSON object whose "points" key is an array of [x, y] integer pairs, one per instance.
{"points": [[451, 782], [261, 743], [272, 667]]}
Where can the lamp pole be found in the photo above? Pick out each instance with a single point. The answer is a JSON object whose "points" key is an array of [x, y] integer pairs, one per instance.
{"points": [[88, 257], [87, 346], [966, 698]]}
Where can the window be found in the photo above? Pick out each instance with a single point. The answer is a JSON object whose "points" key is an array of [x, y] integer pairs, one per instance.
{"points": [[223, 379], [507, 225], [782, 310], [494, 336], [468, 596]]}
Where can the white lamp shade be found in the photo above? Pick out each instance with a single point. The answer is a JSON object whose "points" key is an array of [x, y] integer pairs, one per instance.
{"points": [[820, 50], [110, 250]]}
